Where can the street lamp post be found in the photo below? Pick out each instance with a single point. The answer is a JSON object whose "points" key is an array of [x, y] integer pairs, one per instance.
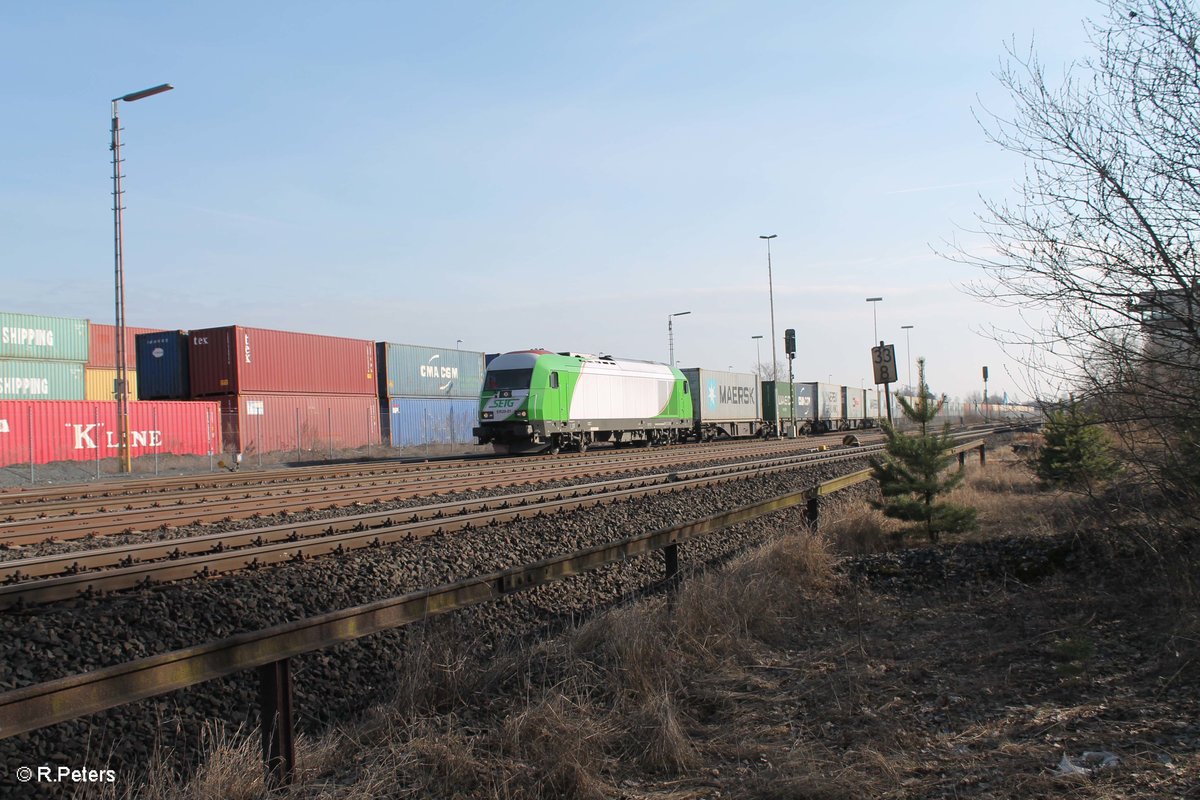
{"points": [[908, 357], [771, 294], [671, 332], [874, 317], [757, 351], [121, 384]]}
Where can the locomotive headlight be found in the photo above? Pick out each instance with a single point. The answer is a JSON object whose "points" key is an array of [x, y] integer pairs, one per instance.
{"points": [[522, 414], [486, 415]]}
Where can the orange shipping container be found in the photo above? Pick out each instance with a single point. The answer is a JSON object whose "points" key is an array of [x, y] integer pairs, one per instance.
{"points": [[102, 345], [99, 383]]}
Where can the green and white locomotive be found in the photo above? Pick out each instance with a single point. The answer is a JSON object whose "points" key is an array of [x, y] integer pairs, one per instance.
{"points": [[536, 400]]}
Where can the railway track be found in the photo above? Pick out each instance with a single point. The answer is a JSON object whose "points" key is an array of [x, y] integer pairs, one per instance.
{"points": [[113, 490], [66, 519], [52, 578]]}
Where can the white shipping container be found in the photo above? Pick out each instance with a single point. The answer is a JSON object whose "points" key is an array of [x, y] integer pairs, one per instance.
{"points": [[724, 396]]}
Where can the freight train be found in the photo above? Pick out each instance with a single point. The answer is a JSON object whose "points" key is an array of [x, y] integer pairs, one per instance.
{"points": [[253, 391], [537, 400]]}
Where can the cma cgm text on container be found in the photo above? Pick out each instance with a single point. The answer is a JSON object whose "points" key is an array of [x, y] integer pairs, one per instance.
{"points": [[235, 360], [49, 430], [409, 370]]}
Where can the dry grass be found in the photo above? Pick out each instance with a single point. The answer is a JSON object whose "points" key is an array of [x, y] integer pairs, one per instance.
{"points": [[774, 678]]}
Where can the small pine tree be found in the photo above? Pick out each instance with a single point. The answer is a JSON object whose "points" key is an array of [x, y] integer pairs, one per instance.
{"points": [[1074, 452], [910, 477]]}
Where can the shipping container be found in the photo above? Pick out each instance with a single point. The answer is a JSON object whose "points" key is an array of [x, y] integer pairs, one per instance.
{"points": [[718, 395], [43, 338], [806, 402], [22, 379], [874, 405], [102, 345], [407, 370], [239, 360], [417, 421], [98, 383], [162, 365], [299, 423], [49, 430], [853, 409], [777, 402], [829, 404]]}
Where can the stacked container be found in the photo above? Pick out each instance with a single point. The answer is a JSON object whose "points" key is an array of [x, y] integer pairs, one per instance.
{"points": [[428, 395], [42, 358], [41, 431], [283, 391], [100, 372], [162, 363]]}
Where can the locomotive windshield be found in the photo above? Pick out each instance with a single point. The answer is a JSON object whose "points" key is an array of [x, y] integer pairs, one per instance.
{"points": [[508, 379]]}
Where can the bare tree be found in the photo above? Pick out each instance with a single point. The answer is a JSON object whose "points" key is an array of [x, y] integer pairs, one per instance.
{"points": [[1099, 250]]}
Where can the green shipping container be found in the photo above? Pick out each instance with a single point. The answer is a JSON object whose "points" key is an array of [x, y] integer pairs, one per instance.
{"points": [[777, 401], [41, 380], [43, 338]]}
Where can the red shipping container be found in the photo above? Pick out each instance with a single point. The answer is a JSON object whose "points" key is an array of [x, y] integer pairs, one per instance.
{"points": [[102, 345], [236, 360], [71, 430], [271, 423]]}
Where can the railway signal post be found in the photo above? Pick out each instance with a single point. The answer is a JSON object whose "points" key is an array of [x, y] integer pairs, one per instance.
{"points": [[883, 358], [789, 347]]}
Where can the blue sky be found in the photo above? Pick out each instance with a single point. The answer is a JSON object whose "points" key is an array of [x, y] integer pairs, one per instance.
{"points": [[527, 174]]}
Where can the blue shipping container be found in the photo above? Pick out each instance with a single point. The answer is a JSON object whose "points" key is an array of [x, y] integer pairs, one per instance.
{"points": [[407, 370], [416, 421], [162, 365]]}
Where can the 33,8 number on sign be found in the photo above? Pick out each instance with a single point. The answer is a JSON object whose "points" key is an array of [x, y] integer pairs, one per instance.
{"points": [[884, 359]]}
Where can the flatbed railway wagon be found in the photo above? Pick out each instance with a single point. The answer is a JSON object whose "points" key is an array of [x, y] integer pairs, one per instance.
{"points": [[535, 400], [724, 404]]}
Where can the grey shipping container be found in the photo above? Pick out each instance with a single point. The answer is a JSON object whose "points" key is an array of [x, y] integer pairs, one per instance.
{"points": [[720, 396], [25, 379], [853, 403], [407, 370], [419, 421], [874, 403], [829, 401], [43, 338], [806, 403], [162, 365]]}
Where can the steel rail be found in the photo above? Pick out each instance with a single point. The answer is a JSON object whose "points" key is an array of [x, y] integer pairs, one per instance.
{"points": [[77, 508], [210, 509], [270, 650], [113, 489], [75, 562], [211, 563]]}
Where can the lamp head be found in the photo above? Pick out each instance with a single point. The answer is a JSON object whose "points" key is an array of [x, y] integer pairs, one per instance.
{"points": [[153, 90]]}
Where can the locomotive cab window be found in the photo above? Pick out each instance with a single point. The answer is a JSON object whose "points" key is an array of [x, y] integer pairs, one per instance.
{"points": [[553, 380], [685, 389], [508, 379]]}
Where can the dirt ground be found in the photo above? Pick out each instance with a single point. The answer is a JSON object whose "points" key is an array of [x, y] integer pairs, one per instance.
{"points": [[1068, 686], [1023, 661]]}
